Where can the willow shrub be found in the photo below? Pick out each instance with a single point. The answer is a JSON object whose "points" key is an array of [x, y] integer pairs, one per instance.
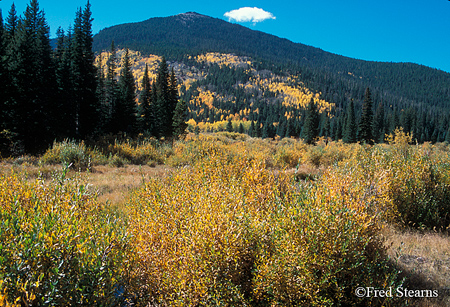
{"points": [[58, 245], [68, 152], [420, 182], [226, 231], [137, 153], [406, 184]]}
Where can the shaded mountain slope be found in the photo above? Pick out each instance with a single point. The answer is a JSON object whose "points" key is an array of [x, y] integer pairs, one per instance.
{"points": [[331, 74], [412, 95]]}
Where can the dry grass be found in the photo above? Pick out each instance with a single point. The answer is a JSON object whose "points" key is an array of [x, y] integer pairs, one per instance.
{"points": [[31, 170], [115, 183], [425, 260]]}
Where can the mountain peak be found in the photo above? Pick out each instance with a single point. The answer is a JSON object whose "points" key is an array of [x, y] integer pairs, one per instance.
{"points": [[189, 17]]}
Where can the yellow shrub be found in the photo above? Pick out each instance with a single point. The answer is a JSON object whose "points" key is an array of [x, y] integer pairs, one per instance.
{"points": [[407, 184], [228, 231], [289, 153], [140, 153], [58, 245]]}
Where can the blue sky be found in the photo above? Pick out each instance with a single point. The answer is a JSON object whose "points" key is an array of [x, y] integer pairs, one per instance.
{"points": [[394, 31]]}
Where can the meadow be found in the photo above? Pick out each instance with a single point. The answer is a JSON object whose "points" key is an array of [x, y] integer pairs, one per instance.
{"points": [[224, 219]]}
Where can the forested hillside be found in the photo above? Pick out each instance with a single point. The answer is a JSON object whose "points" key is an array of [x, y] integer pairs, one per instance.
{"points": [[218, 76], [60, 93], [405, 94]]}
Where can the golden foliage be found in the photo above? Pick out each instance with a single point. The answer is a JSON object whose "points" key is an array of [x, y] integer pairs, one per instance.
{"points": [[226, 229], [57, 243], [229, 226], [223, 59]]}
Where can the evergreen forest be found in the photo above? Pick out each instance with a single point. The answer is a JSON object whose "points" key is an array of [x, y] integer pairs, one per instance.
{"points": [[57, 92], [55, 89]]}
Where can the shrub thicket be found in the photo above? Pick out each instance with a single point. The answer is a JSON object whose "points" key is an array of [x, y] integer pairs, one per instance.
{"points": [[58, 245], [227, 231], [228, 228]]}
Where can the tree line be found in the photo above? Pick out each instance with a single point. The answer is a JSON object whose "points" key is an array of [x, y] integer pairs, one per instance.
{"points": [[268, 118], [55, 92]]}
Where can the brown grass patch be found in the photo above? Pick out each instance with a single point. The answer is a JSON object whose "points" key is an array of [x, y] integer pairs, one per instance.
{"points": [[115, 183], [424, 259]]}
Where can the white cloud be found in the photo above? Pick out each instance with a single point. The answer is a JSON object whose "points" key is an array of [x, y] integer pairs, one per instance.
{"points": [[249, 14]]}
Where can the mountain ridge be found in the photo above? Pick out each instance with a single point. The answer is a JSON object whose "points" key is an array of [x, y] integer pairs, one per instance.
{"points": [[339, 79], [188, 16]]}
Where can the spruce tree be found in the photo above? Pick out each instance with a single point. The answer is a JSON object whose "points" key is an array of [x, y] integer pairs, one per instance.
{"points": [[65, 121], [173, 101], [241, 128], [179, 124], [102, 101], [379, 124], [258, 130], [281, 129], [145, 107], [447, 136], [251, 130], [90, 108], [311, 126], [3, 76], [84, 74], [32, 73], [229, 127], [124, 112], [111, 90], [326, 129], [163, 102], [8, 97], [4, 96], [289, 129], [366, 121], [12, 23], [350, 128], [155, 122]]}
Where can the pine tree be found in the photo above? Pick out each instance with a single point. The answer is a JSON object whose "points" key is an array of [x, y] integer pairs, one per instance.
{"points": [[258, 130], [173, 101], [65, 124], [111, 90], [229, 127], [251, 130], [84, 74], [12, 23], [3, 77], [124, 112], [179, 124], [145, 99], [350, 129], [163, 103], [32, 73], [241, 128], [311, 126], [379, 124], [366, 121]]}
